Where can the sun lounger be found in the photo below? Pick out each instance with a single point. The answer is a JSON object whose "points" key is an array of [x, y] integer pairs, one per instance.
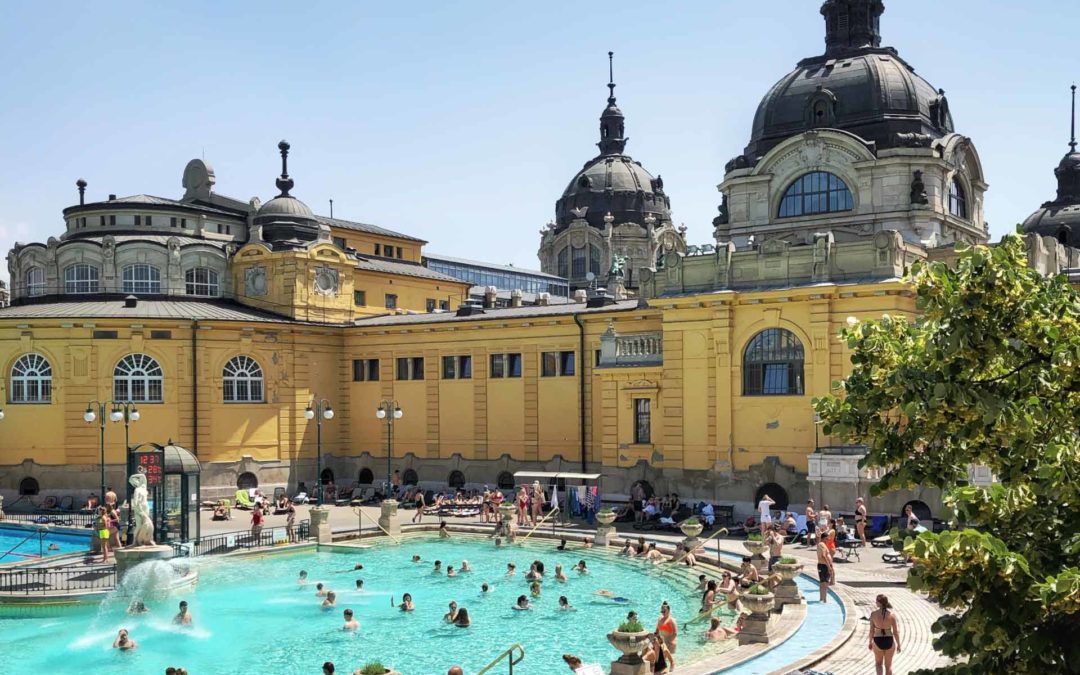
{"points": [[243, 500]]}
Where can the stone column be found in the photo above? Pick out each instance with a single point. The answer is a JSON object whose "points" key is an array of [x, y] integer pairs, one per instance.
{"points": [[387, 518], [320, 524]]}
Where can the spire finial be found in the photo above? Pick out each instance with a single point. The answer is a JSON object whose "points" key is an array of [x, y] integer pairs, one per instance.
{"points": [[284, 183], [1072, 126], [81, 184], [611, 76]]}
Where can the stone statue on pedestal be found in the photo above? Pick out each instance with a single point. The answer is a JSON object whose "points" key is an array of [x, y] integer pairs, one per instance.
{"points": [[140, 504]]}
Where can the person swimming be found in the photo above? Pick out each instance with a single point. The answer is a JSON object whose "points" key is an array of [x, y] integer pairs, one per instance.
{"points": [[350, 622], [406, 603], [359, 584], [182, 618], [627, 550], [451, 616], [564, 603], [559, 575], [580, 568], [356, 568], [562, 545], [522, 603], [137, 607], [450, 571], [534, 589], [320, 591], [465, 567], [462, 620], [123, 641], [438, 567], [511, 569], [330, 600], [484, 588], [302, 581], [416, 558], [604, 593]]}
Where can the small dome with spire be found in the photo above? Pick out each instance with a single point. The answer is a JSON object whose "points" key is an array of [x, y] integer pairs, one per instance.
{"points": [[285, 220], [612, 182], [1060, 218]]}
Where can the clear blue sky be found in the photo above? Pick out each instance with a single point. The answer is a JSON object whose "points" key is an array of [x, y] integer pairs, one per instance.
{"points": [[462, 122]]}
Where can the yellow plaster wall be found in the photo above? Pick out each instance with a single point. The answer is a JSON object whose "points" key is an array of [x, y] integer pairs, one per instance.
{"points": [[365, 242]]}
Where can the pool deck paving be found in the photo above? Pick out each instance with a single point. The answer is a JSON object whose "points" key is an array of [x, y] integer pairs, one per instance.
{"points": [[860, 581]]}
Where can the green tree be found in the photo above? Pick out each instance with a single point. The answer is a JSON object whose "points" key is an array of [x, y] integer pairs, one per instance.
{"points": [[987, 374]]}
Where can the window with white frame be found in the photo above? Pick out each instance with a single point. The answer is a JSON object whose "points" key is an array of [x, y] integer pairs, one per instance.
{"points": [[81, 278], [138, 378], [35, 281], [31, 379], [202, 281], [243, 380], [142, 278]]}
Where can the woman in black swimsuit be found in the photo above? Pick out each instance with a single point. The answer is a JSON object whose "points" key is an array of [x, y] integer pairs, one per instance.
{"points": [[884, 636], [658, 656]]}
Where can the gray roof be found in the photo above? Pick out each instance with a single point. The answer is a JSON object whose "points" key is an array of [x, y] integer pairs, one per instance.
{"points": [[403, 267], [365, 227], [151, 200], [504, 314], [145, 309], [493, 266]]}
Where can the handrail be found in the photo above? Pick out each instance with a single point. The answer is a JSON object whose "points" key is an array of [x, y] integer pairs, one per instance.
{"points": [[384, 530], [39, 533], [508, 654], [550, 513]]}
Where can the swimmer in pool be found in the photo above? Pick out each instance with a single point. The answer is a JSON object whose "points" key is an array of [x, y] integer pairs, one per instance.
{"points": [[511, 569], [359, 584], [450, 571], [329, 601], [564, 604], [123, 642], [54, 547], [320, 592], [522, 603], [416, 558], [137, 607], [302, 581], [451, 616], [603, 593], [559, 575], [406, 603], [438, 567], [356, 568], [183, 617], [534, 589], [484, 588], [561, 546], [465, 567], [580, 567], [350, 622]]}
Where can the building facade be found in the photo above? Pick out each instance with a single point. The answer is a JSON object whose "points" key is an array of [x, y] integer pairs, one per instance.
{"points": [[224, 320]]}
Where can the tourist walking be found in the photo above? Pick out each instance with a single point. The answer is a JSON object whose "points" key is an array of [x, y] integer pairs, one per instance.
{"points": [[826, 572], [884, 636], [860, 520], [764, 513], [112, 519], [418, 517]]}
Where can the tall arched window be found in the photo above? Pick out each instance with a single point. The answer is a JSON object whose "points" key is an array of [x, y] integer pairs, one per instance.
{"points": [[142, 278], [138, 378], [816, 192], [564, 262], [456, 479], [957, 199], [31, 379], [80, 278], [243, 380], [773, 364], [201, 281], [35, 281], [577, 262], [594, 259]]}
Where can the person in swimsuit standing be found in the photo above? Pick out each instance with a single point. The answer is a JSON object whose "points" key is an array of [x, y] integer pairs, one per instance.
{"points": [[667, 628], [658, 656], [522, 506], [860, 520], [537, 502], [764, 514], [826, 573], [810, 521], [884, 636]]}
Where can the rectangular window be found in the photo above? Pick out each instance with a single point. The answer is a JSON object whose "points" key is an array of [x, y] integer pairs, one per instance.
{"points": [[566, 363], [577, 262], [403, 369], [513, 365], [457, 367], [339, 242], [444, 305], [138, 220], [101, 221], [505, 365], [365, 370], [359, 298], [430, 304], [449, 367], [378, 249], [464, 367], [498, 365], [418, 367], [112, 220], [399, 252], [410, 368], [391, 301], [550, 364], [172, 222], [183, 222], [149, 221], [642, 420]]}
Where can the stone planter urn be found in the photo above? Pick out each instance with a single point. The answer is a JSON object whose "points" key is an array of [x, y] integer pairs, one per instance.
{"points": [[605, 531], [388, 521], [386, 671], [631, 645], [755, 627], [756, 549], [507, 511], [787, 593], [691, 529], [605, 518]]}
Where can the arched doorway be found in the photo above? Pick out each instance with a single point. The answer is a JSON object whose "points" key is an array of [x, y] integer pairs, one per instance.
{"points": [[246, 481], [920, 509], [28, 487], [505, 481], [456, 479], [366, 477], [776, 493], [410, 477], [327, 476], [646, 486]]}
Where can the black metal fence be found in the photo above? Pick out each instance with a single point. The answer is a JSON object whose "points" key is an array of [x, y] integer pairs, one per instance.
{"points": [[227, 542], [58, 518], [50, 580]]}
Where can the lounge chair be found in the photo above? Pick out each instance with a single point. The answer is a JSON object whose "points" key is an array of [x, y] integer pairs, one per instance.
{"points": [[49, 504], [67, 503], [800, 531], [300, 498], [243, 500]]}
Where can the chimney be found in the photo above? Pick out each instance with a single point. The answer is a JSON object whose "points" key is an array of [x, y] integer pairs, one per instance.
{"points": [[112, 198], [581, 296], [81, 184], [490, 293], [543, 299], [131, 301], [515, 298]]}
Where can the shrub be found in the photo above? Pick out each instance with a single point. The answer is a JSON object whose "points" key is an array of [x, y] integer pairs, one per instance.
{"points": [[373, 668], [692, 520], [631, 627], [754, 536], [757, 589], [788, 560]]}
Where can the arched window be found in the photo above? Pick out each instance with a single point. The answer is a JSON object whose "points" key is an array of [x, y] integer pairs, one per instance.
{"points": [[920, 509], [409, 477], [142, 278], [35, 281], [957, 199], [577, 262], [138, 378], [243, 380], [31, 379], [327, 477], [505, 481], [202, 281], [773, 364], [28, 487], [80, 278], [366, 477], [246, 481], [564, 262], [816, 192], [456, 479]]}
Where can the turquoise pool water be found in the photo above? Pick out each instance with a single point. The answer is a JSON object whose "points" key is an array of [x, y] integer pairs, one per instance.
{"points": [[23, 543], [250, 615]]}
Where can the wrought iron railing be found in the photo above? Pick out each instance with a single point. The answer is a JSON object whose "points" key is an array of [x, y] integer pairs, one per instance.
{"points": [[50, 580], [227, 542], [51, 517]]}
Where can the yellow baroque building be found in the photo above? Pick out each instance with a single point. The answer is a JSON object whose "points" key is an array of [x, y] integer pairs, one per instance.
{"points": [[689, 368]]}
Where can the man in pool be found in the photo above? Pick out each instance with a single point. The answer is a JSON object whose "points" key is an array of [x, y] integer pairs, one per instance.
{"points": [[451, 616], [561, 546], [580, 567], [356, 568], [320, 591], [329, 601], [450, 571], [359, 584], [350, 622], [416, 558], [604, 593], [438, 567], [522, 603], [183, 617], [123, 642], [511, 568], [484, 588], [302, 581]]}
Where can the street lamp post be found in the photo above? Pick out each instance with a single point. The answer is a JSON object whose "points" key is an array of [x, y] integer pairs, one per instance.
{"points": [[389, 410], [319, 410], [118, 410]]}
